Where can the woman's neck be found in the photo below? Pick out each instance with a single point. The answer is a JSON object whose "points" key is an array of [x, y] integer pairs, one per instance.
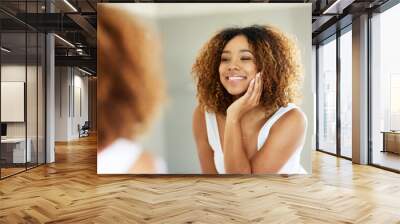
{"points": [[257, 113]]}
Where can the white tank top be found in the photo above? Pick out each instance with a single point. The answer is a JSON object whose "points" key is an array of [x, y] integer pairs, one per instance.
{"points": [[121, 155], [292, 166]]}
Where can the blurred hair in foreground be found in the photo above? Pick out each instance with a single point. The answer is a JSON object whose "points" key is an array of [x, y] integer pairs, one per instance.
{"points": [[130, 89]]}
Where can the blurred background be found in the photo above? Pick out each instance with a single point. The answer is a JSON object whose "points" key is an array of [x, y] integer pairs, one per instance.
{"points": [[183, 30]]}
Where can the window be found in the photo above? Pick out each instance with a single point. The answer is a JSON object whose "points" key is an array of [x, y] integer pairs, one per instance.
{"points": [[346, 94], [385, 89], [327, 97]]}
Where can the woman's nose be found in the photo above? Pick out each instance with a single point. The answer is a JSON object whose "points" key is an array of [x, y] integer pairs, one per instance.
{"points": [[233, 65]]}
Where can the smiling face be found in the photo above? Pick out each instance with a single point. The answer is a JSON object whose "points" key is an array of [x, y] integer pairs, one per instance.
{"points": [[238, 66]]}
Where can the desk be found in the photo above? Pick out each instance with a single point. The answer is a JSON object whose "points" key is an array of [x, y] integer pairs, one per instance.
{"points": [[15, 148], [391, 141]]}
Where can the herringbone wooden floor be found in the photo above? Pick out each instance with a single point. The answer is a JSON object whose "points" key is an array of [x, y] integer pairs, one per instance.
{"points": [[70, 191]]}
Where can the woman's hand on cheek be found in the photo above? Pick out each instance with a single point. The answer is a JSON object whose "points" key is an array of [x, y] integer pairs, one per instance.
{"points": [[246, 102]]}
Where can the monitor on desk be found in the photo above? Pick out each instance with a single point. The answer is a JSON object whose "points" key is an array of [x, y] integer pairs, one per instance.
{"points": [[3, 130]]}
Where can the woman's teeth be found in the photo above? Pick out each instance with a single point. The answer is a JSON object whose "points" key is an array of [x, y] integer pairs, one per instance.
{"points": [[236, 78]]}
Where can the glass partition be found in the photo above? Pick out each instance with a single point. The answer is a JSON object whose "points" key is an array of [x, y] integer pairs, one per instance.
{"points": [[14, 153], [22, 88]]}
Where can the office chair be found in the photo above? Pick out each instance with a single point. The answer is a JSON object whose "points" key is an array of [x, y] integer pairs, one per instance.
{"points": [[84, 130]]}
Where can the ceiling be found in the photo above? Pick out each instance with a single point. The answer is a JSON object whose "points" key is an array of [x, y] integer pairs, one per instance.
{"points": [[76, 22]]}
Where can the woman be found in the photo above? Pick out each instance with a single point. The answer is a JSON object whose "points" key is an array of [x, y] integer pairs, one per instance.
{"points": [[246, 121], [129, 92]]}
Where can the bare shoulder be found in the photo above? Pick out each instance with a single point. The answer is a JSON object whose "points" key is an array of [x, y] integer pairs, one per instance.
{"points": [[198, 112], [146, 163], [200, 129], [293, 120], [204, 150], [198, 118]]}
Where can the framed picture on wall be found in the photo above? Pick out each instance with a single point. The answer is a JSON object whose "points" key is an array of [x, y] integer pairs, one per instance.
{"points": [[12, 101]]}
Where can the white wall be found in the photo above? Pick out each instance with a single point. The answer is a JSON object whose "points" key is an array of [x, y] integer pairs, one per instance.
{"points": [[12, 73], [33, 126], [61, 103], [67, 115], [80, 100]]}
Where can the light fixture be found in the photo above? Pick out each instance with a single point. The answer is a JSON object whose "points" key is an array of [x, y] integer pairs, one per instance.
{"points": [[70, 5], [329, 9], [79, 51], [84, 71], [64, 40], [337, 7], [5, 50]]}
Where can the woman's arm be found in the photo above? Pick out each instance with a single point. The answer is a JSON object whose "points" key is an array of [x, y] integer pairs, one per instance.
{"points": [[285, 136], [204, 150], [235, 157]]}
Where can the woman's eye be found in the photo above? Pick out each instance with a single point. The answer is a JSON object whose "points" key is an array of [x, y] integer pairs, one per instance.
{"points": [[246, 58], [224, 59]]}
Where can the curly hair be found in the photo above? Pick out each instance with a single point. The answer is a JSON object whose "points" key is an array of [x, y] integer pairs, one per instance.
{"points": [[275, 54], [130, 87]]}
